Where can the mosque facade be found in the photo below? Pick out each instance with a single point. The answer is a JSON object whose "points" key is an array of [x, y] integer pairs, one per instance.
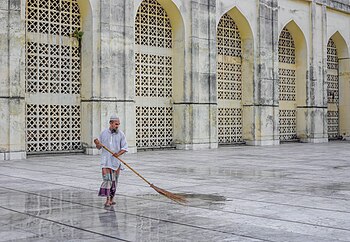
{"points": [[180, 74]]}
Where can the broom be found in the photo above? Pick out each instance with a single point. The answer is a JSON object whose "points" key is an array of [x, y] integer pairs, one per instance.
{"points": [[172, 196]]}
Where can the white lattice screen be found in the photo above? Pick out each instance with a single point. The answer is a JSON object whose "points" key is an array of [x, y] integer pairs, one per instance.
{"points": [[53, 127], [54, 17], [332, 90], [287, 87], [153, 76], [52, 76], [229, 80]]}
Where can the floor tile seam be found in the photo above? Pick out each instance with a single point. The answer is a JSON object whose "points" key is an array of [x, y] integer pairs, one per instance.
{"points": [[63, 185], [278, 219], [291, 178], [86, 178], [229, 152], [298, 194], [274, 183], [128, 213], [306, 195], [17, 227], [196, 207], [99, 181], [91, 179], [230, 157], [57, 184], [63, 224], [287, 205], [83, 177], [284, 168], [283, 193], [90, 190], [252, 176]]}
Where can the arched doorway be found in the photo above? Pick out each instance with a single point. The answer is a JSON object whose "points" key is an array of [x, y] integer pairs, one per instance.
{"points": [[153, 76], [287, 87], [229, 82], [332, 90], [52, 76]]}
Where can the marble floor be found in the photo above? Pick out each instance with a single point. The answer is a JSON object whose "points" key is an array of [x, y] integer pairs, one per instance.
{"points": [[291, 192]]}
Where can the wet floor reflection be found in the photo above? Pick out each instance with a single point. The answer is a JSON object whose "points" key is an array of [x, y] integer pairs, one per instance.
{"points": [[108, 219], [205, 200], [54, 213], [194, 199], [233, 173]]}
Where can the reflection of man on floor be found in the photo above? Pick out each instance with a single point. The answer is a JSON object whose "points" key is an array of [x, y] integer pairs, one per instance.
{"points": [[108, 219]]}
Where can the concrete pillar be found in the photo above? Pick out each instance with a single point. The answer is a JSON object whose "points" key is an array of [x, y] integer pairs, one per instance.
{"points": [[198, 104], [114, 93], [264, 118], [316, 104], [90, 74], [12, 104], [344, 95]]}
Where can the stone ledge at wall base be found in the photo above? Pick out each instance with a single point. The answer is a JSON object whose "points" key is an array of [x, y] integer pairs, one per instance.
{"points": [[202, 146], [346, 138], [262, 142], [94, 151], [314, 140], [16, 155]]}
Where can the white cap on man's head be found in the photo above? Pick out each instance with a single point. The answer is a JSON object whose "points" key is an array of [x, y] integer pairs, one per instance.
{"points": [[113, 117]]}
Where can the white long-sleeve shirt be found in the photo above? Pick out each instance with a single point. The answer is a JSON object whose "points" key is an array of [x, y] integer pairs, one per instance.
{"points": [[115, 142]]}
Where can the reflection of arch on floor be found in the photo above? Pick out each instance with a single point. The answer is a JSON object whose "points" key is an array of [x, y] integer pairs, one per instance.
{"points": [[338, 101]]}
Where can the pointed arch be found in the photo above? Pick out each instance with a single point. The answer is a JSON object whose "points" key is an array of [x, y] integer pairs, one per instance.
{"points": [[247, 38], [235, 62], [342, 46], [53, 76], [159, 69], [292, 82], [338, 87], [172, 9]]}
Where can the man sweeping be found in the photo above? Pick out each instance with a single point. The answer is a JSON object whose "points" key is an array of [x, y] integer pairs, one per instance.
{"points": [[114, 139]]}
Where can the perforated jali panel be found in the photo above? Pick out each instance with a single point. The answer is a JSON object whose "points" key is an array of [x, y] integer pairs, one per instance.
{"points": [[52, 68], [287, 87], [229, 80], [52, 76], [152, 25], [153, 76], [287, 125], [53, 127], [332, 90], [54, 17], [230, 125]]}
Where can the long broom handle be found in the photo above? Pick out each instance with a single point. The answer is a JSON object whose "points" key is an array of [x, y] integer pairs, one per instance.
{"points": [[126, 164]]}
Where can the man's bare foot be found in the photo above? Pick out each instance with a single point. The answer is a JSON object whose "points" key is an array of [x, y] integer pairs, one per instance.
{"points": [[107, 203], [111, 201]]}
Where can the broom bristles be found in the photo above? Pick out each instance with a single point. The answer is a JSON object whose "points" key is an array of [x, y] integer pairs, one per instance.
{"points": [[175, 197]]}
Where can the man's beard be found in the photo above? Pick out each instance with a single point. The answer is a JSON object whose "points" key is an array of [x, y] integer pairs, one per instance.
{"points": [[114, 130]]}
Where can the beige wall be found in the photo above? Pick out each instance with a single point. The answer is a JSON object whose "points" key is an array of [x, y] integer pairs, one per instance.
{"points": [[108, 69]]}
